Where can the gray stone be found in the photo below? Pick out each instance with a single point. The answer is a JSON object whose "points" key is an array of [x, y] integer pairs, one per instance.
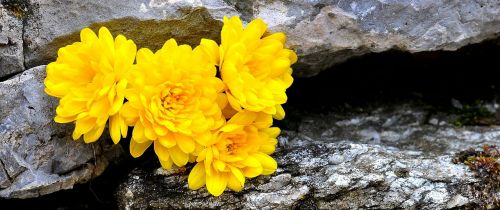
{"points": [[37, 155], [11, 42], [323, 32], [334, 161]]}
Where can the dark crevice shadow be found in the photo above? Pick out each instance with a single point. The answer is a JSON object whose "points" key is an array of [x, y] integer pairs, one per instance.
{"points": [[471, 73]]}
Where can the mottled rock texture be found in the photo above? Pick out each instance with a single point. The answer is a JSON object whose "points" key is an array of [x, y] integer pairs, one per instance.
{"points": [[38, 156], [11, 42], [385, 158], [323, 32]]}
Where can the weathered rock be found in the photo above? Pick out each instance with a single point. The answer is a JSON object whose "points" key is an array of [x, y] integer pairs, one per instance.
{"points": [[386, 158], [11, 42], [38, 156], [55, 24], [322, 32]]}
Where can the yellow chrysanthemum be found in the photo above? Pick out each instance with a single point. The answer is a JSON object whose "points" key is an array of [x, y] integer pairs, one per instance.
{"points": [[255, 67], [239, 149], [172, 101], [88, 76]]}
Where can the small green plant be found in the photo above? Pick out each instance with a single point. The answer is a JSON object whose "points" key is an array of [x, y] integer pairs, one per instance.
{"points": [[475, 114]]}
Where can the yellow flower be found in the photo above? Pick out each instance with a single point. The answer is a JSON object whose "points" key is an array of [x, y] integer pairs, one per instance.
{"points": [[88, 76], [239, 149], [172, 101], [255, 67]]}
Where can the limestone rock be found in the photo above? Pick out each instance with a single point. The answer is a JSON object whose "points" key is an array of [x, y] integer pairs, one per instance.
{"points": [[386, 158], [38, 156], [11, 42], [322, 32]]}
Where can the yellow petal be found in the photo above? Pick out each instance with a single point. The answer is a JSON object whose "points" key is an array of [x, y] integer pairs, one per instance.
{"points": [[233, 102], [138, 134], [234, 184], [251, 162], [243, 118], [204, 139], [169, 44], [280, 36], [263, 120], [149, 132], [269, 165], [115, 128], [137, 149], [161, 151], [280, 113], [59, 119], [231, 127], [219, 165], [166, 164], [185, 143], [196, 178], [210, 49], [87, 35], [93, 134], [216, 183], [82, 126], [106, 36], [167, 141], [129, 114], [144, 55], [180, 158], [236, 172], [252, 172]]}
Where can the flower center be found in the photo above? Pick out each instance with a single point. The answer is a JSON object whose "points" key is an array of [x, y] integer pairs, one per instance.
{"points": [[233, 142], [172, 99]]}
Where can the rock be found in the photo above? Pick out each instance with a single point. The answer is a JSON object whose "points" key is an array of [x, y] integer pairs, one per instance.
{"points": [[11, 42], [55, 24], [38, 156], [322, 32], [385, 158], [402, 126]]}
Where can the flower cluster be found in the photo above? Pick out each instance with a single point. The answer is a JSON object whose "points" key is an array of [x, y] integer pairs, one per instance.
{"points": [[212, 106]]}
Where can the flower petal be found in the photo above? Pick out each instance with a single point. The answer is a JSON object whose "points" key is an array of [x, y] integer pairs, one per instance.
{"points": [[138, 134], [93, 134], [196, 178], [234, 184], [252, 172], [185, 143], [216, 183], [162, 152], [180, 158], [137, 149], [269, 165], [115, 128]]}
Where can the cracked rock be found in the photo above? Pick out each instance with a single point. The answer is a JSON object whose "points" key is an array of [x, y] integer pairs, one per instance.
{"points": [[38, 156], [409, 166], [323, 32], [11, 43]]}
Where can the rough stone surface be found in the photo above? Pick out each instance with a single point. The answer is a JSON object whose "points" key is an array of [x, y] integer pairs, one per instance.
{"points": [[11, 43], [323, 32], [38, 156], [386, 158]]}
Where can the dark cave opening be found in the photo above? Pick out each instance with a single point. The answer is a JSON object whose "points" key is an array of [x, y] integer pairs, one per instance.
{"points": [[468, 74]]}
